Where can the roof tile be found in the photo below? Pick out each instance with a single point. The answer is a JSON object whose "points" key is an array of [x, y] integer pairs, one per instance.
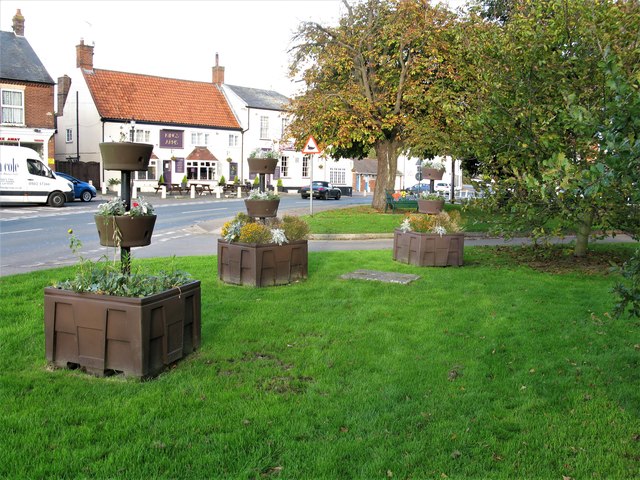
{"points": [[126, 96]]}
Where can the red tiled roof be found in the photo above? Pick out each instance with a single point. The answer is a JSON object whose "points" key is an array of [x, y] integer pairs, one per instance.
{"points": [[201, 153], [126, 96]]}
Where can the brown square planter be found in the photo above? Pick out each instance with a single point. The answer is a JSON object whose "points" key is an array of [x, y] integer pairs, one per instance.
{"points": [[262, 265], [428, 249], [137, 336]]}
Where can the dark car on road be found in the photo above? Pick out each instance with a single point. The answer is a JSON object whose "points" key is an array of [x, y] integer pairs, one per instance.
{"points": [[322, 190], [82, 190]]}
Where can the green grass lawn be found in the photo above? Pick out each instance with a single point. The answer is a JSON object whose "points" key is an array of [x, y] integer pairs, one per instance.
{"points": [[492, 370], [365, 219]]}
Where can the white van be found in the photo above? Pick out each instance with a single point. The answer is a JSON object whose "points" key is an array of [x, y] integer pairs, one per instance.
{"points": [[25, 179]]}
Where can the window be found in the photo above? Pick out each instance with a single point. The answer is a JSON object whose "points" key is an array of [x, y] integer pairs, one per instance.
{"points": [[149, 173], [305, 165], [337, 176], [201, 170], [13, 107], [143, 136], [199, 139], [285, 123], [264, 128], [36, 167], [284, 166], [233, 140], [69, 135]]}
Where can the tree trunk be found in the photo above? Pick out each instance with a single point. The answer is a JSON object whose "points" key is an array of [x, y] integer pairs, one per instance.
{"points": [[582, 235], [387, 155]]}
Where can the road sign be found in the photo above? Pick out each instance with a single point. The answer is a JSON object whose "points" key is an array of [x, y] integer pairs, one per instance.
{"points": [[311, 146], [419, 176]]}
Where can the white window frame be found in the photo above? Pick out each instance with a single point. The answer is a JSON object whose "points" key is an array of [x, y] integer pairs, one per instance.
{"points": [[284, 166], [338, 176], [233, 140], [151, 173], [142, 136], [305, 166], [69, 135], [264, 127], [208, 167], [13, 108]]}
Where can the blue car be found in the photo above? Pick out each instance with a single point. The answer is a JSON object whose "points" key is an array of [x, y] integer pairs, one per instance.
{"points": [[82, 190]]}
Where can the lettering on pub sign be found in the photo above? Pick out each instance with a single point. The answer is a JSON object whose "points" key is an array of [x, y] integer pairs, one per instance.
{"points": [[171, 138]]}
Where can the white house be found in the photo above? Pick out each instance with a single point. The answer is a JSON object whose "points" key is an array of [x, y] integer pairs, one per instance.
{"points": [[190, 124]]}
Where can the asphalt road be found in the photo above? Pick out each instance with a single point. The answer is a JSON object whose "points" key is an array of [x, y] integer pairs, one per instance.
{"points": [[36, 237]]}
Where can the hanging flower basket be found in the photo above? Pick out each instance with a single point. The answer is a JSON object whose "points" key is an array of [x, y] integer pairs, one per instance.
{"points": [[262, 208], [431, 207], [125, 156], [432, 173], [125, 230], [262, 165]]}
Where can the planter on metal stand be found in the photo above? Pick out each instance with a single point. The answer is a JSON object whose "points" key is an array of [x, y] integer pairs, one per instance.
{"points": [[134, 326]]}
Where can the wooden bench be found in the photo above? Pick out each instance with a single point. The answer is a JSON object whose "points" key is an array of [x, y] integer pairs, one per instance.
{"points": [[401, 203]]}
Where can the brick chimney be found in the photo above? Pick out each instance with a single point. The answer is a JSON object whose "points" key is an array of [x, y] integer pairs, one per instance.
{"points": [[217, 73], [84, 56], [64, 85], [18, 23]]}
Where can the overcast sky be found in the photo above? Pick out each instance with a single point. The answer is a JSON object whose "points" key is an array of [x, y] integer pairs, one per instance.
{"points": [[176, 39]]}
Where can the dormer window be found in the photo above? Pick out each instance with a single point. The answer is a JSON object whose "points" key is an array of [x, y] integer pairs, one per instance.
{"points": [[12, 106]]}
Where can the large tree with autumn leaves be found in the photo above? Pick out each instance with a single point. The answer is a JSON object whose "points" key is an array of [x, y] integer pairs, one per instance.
{"points": [[369, 79]]}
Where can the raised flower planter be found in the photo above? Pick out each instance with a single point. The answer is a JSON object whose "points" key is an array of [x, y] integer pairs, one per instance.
{"points": [[139, 337], [125, 156], [262, 265], [428, 249], [125, 230]]}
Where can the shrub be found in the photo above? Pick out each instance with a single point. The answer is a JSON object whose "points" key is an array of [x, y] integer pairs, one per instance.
{"points": [[295, 228], [441, 223], [255, 232]]}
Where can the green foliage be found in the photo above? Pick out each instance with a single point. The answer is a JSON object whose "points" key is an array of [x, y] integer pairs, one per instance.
{"points": [[256, 181], [236, 180], [223, 181], [542, 104], [370, 78], [106, 278], [279, 183], [295, 228], [264, 153], [255, 232], [113, 181], [256, 194], [628, 290]]}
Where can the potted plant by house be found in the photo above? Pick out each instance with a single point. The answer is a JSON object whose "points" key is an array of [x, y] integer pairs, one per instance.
{"points": [[120, 228], [103, 320], [432, 170], [184, 181], [125, 156], [262, 204], [263, 161], [429, 240], [430, 203], [262, 254]]}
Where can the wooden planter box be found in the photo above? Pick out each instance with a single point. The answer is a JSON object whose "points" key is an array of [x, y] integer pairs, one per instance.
{"points": [[262, 165], [262, 265], [262, 208], [125, 156], [431, 207], [137, 336], [428, 249], [432, 174], [133, 231]]}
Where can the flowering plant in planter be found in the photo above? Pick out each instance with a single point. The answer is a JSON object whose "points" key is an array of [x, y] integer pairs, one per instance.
{"points": [[262, 153], [256, 194], [430, 196], [245, 229], [118, 227], [434, 164], [443, 223]]}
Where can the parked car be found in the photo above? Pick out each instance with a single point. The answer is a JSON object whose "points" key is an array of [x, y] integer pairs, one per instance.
{"points": [[419, 188], [82, 190], [442, 187], [323, 190]]}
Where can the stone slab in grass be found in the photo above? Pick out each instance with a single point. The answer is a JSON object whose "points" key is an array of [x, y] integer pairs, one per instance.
{"points": [[388, 277]]}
